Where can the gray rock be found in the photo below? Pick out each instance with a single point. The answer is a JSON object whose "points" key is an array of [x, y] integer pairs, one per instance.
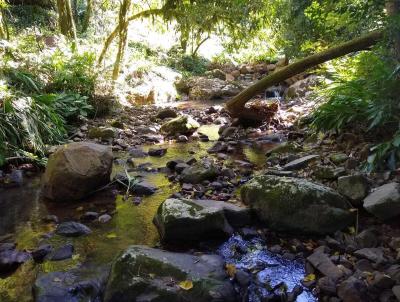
{"points": [[76, 285], [327, 285], [103, 133], [143, 188], [296, 205], [325, 265], [352, 290], [72, 229], [382, 281], [192, 220], [104, 218], [146, 274], [62, 253], [199, 171], [166, 113], [41, 252], [137, 152], [373, 254], [384, 202], [11, 259], [157, 151], [367, 238], [396, 292], [76, 170], [183, 124], [300, 163], [354, 187]]}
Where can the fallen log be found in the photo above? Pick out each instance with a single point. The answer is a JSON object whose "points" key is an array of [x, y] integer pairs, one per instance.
{"points": [[236, 106]]}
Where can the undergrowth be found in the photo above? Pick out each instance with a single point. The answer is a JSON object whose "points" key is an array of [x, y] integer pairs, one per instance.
{"points": [[365, 92]]}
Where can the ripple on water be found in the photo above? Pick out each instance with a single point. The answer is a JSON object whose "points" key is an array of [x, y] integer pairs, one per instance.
{"points": [[273, 269]]}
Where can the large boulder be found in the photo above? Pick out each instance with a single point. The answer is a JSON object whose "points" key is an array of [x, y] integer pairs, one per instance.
{"points": [[184, 220], [384, 202], [296, 205], [75, 170], [76, 285], [183, 124], [199, 171], [146, 274]]}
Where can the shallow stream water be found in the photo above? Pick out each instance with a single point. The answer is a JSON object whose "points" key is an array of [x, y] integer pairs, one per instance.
{"points": [[22, 211]]}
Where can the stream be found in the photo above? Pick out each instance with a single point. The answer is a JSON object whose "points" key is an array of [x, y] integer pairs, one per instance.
{"points": [[22, 213]]}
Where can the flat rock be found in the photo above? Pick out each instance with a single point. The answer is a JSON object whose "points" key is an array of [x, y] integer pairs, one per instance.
{"points": [[72, 229], [372, 254], [325, 265], [384, 202], [62, 253], [300, 163]]}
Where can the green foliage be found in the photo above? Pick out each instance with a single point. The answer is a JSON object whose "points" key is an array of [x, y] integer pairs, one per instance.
{"points": [[25, 16], [188, 65], [73, 72], [301, 27], [364, 94], [23, 80], [71, 107], [364, 91], [27, 124]]}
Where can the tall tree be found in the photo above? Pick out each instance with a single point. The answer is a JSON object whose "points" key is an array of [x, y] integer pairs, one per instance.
{"points": [[123, 36], [88, 15], [393, 11], [66, 19], [3, 24]]}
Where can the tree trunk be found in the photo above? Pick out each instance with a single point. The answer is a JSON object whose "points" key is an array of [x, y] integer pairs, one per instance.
{"points": [[114, 33], [123, 36], [393, 11], [88, 15], [3, 26], [66, 19], [236, 106]]}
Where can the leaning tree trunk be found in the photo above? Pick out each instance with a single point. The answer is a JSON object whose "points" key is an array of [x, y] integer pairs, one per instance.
{"points": [[236, 106], [123, 37], [66, 19]]}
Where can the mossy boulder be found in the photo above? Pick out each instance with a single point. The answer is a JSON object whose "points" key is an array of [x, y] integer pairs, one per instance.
{"points": [[184, 220], [146, 274], [183, 124], [199, 171], [296, 205], [102, 133], [75, 170]]}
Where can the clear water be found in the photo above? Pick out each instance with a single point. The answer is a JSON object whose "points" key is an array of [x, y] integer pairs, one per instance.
{"points": [[22, 211]]}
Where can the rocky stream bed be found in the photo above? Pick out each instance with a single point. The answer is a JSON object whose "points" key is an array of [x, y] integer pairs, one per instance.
{"points": [[199, 209]]}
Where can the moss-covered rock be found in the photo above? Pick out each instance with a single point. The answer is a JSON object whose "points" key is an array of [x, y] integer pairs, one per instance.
{"points": [[102, 133], [184, 220], [146, 274], [199, 171], [183, 124], [297, 205]]}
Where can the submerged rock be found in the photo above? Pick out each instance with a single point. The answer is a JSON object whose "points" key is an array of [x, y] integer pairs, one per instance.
{"points": [[183, 124], [296, 205], [72, 229], [187, 220], [384, 202], [146, 274], [76, 285], [76, 170]]}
